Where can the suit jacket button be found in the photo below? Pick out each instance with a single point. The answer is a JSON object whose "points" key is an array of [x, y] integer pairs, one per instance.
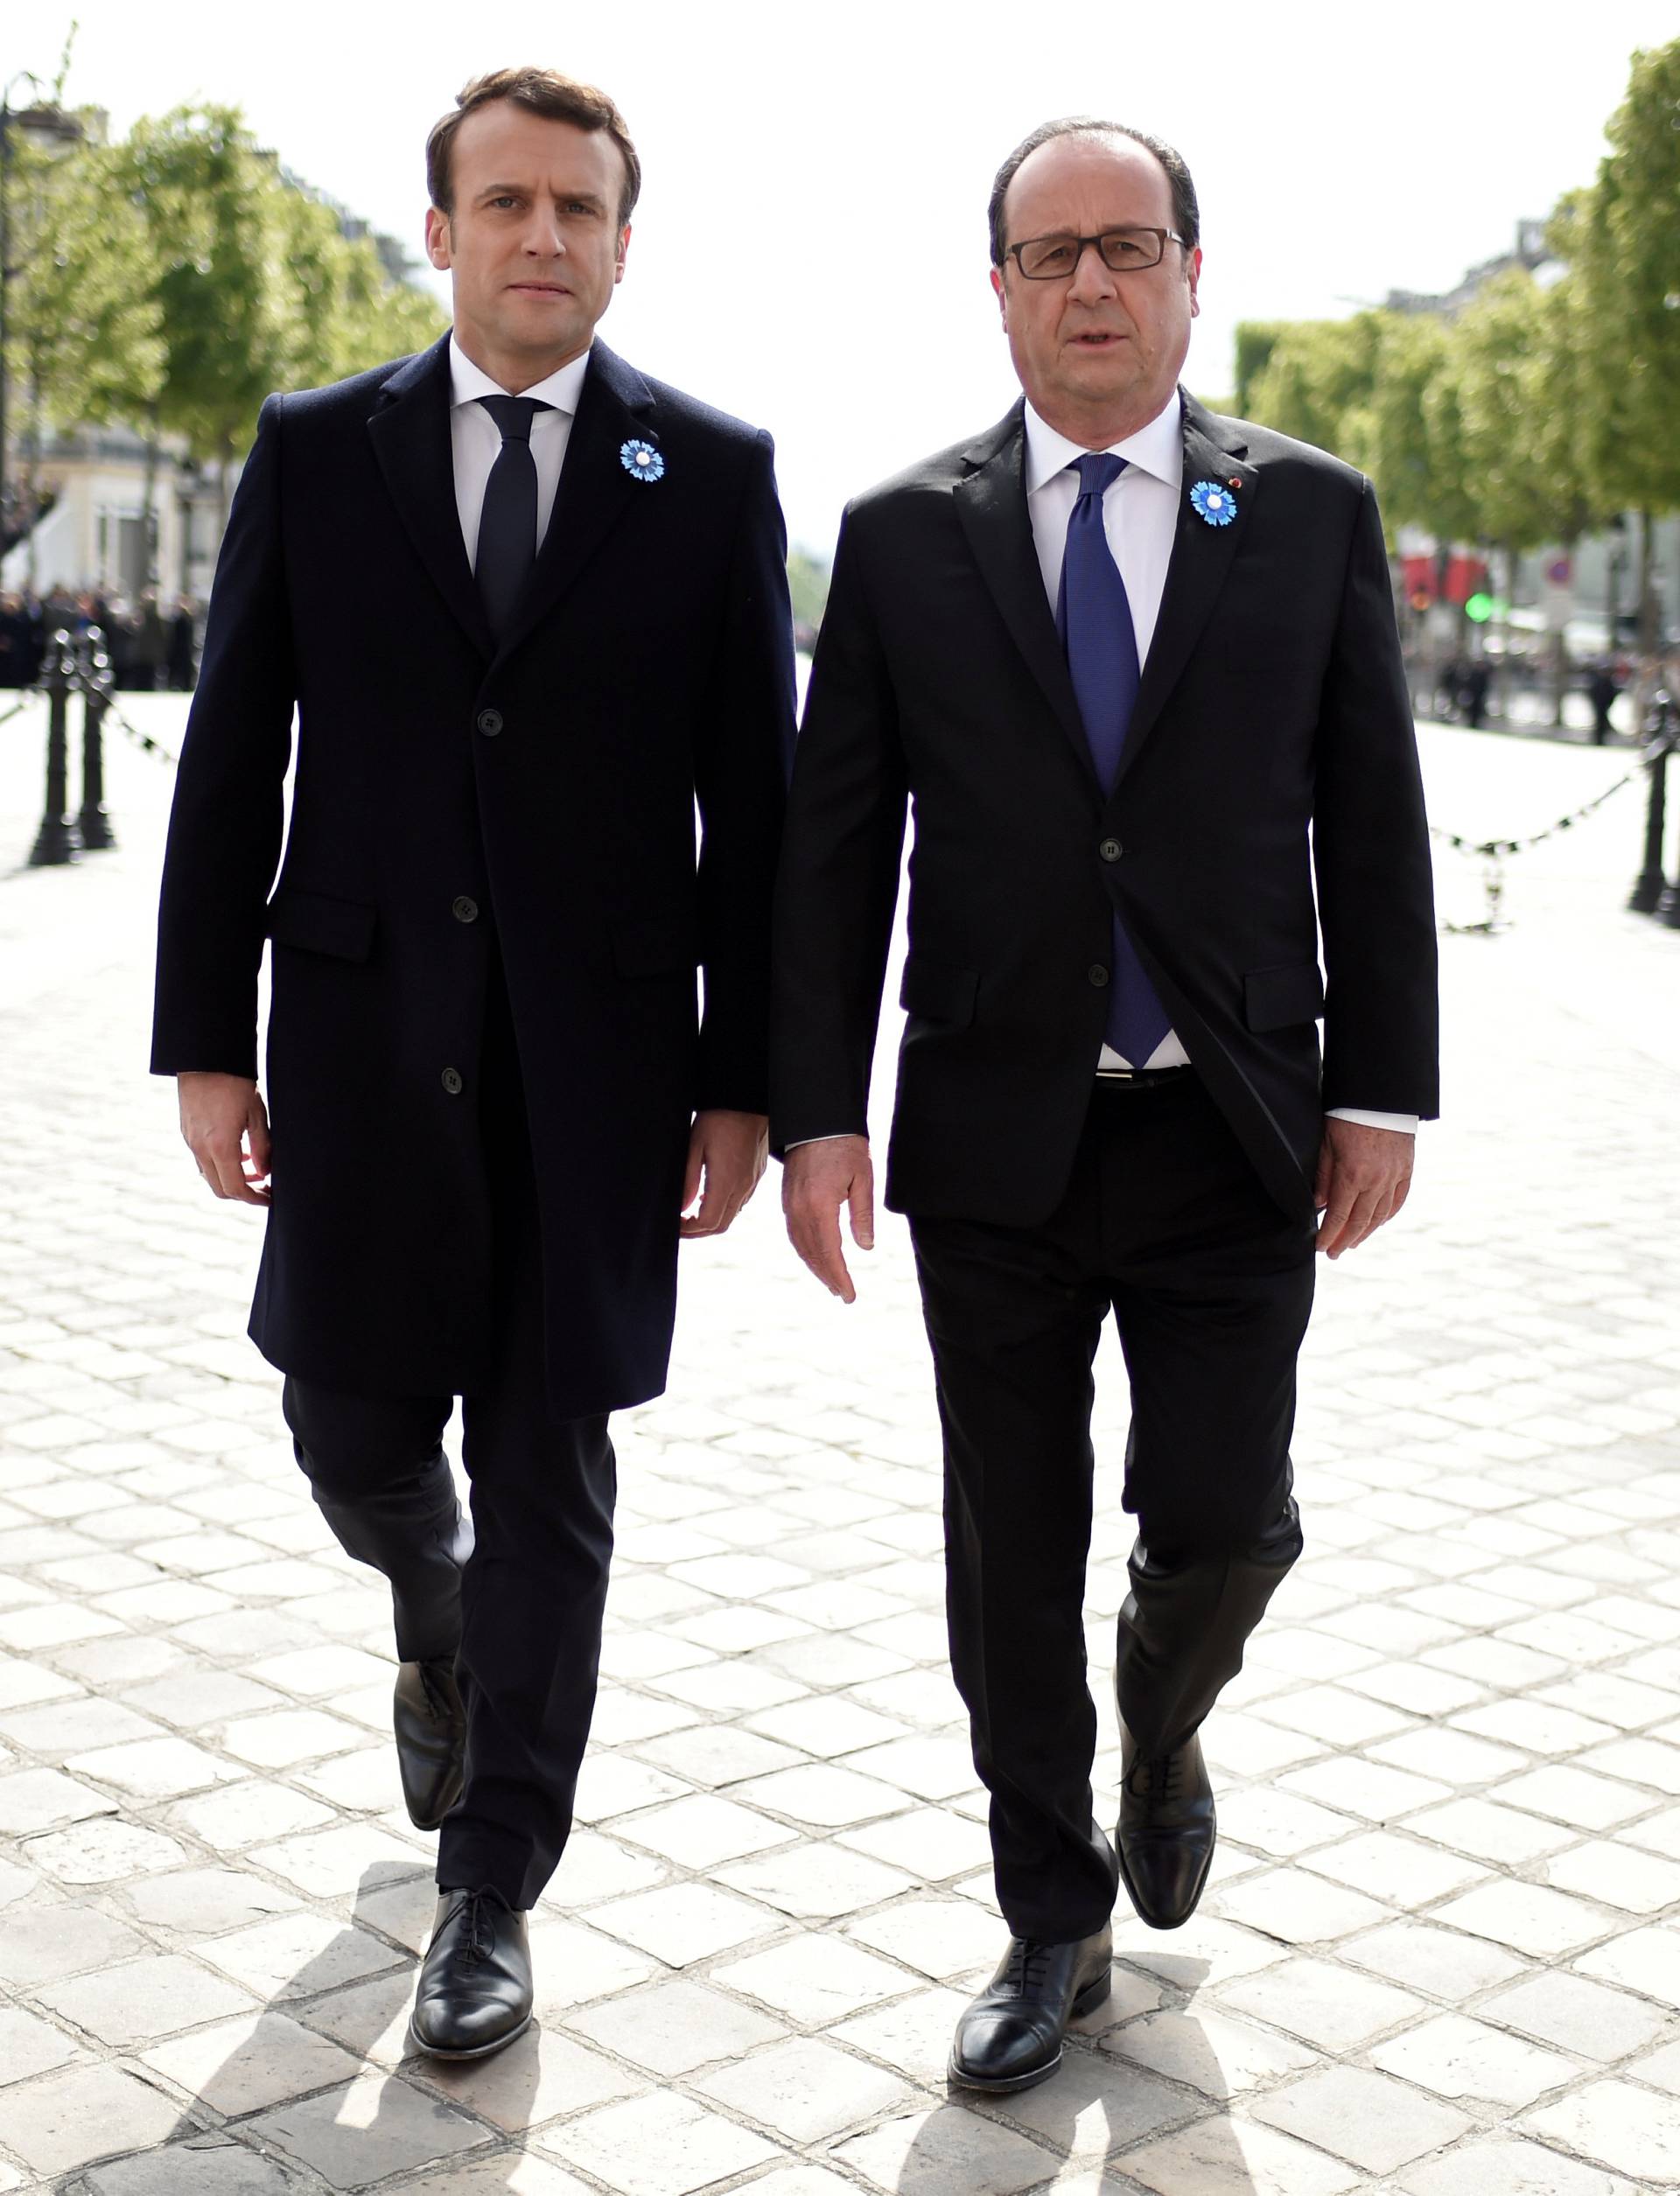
{"points": [[1098, 973], [465, 910], [489, 723], [1110, 850], [453, 1081]]}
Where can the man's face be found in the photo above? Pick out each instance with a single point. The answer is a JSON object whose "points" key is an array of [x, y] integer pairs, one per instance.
{"points": [[533, 247], [1095, 347]]}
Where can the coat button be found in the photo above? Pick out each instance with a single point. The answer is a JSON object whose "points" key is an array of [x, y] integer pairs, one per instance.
{"points": [[1110, 850], [1098, 975], [489, 723], [453, 1081], [465, 910]]}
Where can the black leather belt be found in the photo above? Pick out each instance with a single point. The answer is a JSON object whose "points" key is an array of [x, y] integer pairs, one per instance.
{"points": [[1144, 1075]]}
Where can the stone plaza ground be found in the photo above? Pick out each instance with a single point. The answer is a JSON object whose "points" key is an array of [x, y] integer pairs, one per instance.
{"points": [[1441, 1955]]}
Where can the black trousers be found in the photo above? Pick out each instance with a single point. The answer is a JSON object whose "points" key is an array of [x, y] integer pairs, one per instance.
{"points": [[519, 1602], [1165, 1224]]}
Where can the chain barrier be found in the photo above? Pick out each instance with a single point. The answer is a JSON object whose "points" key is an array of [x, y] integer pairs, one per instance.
{"points": [[1495, 852], [81, 682], [30, 694]]}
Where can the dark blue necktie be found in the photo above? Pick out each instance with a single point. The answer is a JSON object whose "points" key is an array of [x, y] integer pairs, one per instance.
{"points": [[507, 524], [1093, 618]]}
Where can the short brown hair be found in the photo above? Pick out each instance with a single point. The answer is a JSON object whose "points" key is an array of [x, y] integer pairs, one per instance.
{"points": [[1186, 212], [544, 91]]}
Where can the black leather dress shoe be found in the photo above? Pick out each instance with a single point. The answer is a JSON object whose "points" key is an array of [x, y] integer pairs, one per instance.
{"points": [[1165, 1837], [1011, 2037], [430, 1723], [474, 1991]]}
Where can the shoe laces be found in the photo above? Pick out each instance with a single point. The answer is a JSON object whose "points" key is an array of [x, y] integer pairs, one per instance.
{"points": [[1157, 1779], [1028, 1966], [479, 1930]]}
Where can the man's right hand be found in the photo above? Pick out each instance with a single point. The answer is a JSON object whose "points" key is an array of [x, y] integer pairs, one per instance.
{"points": [[226, 1128], [818, 1180]]}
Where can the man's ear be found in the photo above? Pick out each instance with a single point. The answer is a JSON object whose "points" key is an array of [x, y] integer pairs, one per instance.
{"points": [[1193, 271], [1003, 300], [437, 238], [624, 247]]}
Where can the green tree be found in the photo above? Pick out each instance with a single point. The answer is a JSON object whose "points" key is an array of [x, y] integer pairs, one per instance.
{"points": [[82, 336], [808, 583], [1410, 435], [1622, 237], [1317, 374]]}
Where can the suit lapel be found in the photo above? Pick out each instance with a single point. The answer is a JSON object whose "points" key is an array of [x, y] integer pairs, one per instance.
{"points": [[410, 433], [991, 503], [1202, 557], [595, 489]]}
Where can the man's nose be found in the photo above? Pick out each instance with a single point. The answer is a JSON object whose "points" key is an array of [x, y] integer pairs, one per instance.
{"points": [[545, 236], [1091, 281]]}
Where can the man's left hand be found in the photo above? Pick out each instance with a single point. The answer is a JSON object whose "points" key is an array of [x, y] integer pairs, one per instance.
{"points": [[729, 1153], [1363, 1176]]}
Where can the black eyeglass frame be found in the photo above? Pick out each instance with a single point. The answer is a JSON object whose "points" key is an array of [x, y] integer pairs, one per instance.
{"points": [[1164, 237]]}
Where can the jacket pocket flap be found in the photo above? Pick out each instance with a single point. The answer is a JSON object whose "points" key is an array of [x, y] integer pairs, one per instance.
{"points": [[938, 992], [657, 946], [1275, 999], [316, 923]]}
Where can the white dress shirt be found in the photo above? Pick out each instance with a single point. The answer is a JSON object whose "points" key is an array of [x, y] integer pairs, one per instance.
{"points": [[476, 439], [1140, 518]]}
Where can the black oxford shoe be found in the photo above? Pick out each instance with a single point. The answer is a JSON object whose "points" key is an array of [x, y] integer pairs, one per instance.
{"points": [[1011, 2037], [1166, 1830], [474, 1991], [430, 1723]]}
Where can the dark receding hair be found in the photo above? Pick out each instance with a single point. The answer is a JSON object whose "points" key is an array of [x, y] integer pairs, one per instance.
{"points": [[545, 91], [1186, 215]]}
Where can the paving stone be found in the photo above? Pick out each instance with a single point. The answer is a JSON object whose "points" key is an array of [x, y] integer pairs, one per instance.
{"points": [[1322, 2004], [816, 1980], [242, 2066], [1647, 1961], [814, 1881], [242, 1815], [1365, 2118], [1615, 2124], [673, 2027], [137, 2001], [30, 2046], [1500, 2166], [154, 1768], [1296, 1907], [913, 2034], [102, 1851], [368, 2130], [942, 1937], [699, 1831], [504, 2173], [1578, 2016], [204, 2166], [1529, 1918], [1220, 2057], [805, 2090], [66, 2120], [333, 1863], [657, 2145], [535, 2079], [1457, 2057], [1221, 2156], [684, 1922], [299, 1954], [41, 1943], [948, 2151]]}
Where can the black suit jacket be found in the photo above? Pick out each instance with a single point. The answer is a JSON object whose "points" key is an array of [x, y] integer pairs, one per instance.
{"points": [[452, 798], [1271, 738]]}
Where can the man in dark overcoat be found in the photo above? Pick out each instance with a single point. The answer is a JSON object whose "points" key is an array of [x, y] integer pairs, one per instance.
{"points": [[530, 608], [1135, 668]]}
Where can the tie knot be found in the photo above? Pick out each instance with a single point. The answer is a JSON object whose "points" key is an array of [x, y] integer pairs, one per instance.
{"points": [[1098, 471], [514, 415]]}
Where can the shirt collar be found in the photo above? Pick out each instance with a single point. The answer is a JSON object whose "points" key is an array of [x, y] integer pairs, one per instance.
{"points": [[1157, 448], [467, 382]]}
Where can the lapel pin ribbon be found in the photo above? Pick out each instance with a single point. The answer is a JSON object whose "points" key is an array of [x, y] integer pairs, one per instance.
{"points": [[642, 461], [1212, 503]]}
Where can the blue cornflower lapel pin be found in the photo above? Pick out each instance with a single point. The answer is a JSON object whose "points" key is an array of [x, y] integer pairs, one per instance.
{"points": [[642, 461], [1213, 502]]}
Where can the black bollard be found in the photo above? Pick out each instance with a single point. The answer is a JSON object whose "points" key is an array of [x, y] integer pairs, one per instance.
{"points": [[1651, 883], [58, 839], [94, 678]]}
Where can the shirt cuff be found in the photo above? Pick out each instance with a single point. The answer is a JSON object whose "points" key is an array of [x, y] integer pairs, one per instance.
{"points": [[838, 1135], [1404, 1124]]}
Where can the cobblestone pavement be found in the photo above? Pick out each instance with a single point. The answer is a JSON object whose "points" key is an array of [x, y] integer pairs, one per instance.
{"points": [[1441, 1955]]}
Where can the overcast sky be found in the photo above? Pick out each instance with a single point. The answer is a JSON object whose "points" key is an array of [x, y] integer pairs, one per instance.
{"points": [[810, 249]]}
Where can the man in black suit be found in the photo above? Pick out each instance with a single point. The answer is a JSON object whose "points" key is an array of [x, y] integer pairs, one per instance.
{"points": [[490, 1098], [1137, 669]]}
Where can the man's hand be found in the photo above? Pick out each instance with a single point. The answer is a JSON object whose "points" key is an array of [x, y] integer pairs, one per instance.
{"points": [[729, 1150], [226, 1128], [818, 1180], [1363, 1176]]}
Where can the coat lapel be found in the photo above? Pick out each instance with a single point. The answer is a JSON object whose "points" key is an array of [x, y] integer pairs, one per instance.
{"points": [[411, 434], [1202, 557], [595, 489], [991, 502]]}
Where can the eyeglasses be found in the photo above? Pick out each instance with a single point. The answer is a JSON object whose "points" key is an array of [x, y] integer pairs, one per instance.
{"points": [[1122, 251]]}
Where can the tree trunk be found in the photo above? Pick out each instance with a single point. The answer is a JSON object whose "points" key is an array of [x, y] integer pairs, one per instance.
{"points": [[224, 486], [149, 503]]}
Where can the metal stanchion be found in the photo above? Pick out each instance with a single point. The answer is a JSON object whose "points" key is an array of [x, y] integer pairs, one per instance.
{"points": [[58, 839], [96, 682], [1651, 883]]}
